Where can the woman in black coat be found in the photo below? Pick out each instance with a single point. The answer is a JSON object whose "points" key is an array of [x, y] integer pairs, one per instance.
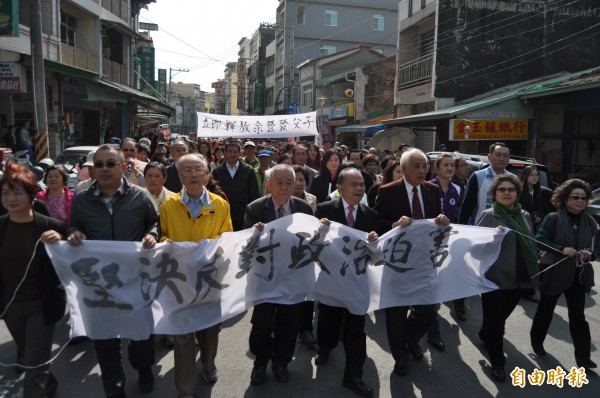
{"points": [[326, 182], [571, 231], [31, 297]]}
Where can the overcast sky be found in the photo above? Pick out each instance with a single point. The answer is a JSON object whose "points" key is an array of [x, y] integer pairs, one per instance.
{"points": [[202, 35]]}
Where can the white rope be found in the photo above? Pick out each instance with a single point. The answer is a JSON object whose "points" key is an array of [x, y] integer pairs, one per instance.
{"points": [[13, 299], [578, 261], [22, 280], [40, 365]]}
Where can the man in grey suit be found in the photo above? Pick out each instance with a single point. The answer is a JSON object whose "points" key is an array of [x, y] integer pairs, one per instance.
{"points": [[280, 320]]}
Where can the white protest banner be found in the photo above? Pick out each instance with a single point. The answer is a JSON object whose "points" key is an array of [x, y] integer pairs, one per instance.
{"points": [[120, 289], [257, 127]]}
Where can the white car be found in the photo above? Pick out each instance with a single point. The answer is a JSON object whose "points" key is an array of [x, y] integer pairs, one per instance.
{"points": [[70, 157]]}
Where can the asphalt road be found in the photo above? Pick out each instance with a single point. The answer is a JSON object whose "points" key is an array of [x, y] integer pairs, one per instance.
{"points": [[461, 371]]}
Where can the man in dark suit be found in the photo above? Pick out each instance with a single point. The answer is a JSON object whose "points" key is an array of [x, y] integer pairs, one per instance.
{"points": [[178, 149], [238, 181], [281, 320], [10, 139], [349, 211], [397, 204]]}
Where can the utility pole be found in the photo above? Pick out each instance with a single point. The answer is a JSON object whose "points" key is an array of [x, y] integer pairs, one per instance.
{"points": [[171, 70], [39, 85]]}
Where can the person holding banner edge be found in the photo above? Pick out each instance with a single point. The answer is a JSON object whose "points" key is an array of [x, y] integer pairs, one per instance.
{"points": [[513, 269], [114, 209], [346, 210], [192, 215], [398, 204], [32, 299]]}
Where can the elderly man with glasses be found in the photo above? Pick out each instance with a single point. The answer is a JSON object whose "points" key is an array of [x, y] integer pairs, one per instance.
{"points": [[192, 215], [114, 209]]}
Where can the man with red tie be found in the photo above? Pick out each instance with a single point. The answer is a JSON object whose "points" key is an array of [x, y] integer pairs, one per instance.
{"points": [[398, 204], [349, 211]]}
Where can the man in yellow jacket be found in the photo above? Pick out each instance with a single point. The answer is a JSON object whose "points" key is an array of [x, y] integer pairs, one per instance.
{"points": [[192, 215]]}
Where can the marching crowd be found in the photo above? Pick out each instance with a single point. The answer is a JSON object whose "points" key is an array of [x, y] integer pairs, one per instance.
{"points": [[189, 190]]}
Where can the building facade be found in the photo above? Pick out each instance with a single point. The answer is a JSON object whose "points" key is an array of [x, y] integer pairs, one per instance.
{"points": [[307, 30], [476, 64], [92, 71]]}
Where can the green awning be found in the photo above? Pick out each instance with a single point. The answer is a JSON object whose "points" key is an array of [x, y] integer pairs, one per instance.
{"points": [[452, 112], [99, 94]]}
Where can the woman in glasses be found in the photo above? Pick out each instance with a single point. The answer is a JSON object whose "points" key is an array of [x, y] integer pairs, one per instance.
{"points": [[32, 300], [512, 271], [571, 230]]}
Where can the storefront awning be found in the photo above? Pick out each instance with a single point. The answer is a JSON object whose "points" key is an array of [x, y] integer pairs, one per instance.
{"points": [[95, 93], [126, 89], [428, 118], [367, 130], [64, 69]]}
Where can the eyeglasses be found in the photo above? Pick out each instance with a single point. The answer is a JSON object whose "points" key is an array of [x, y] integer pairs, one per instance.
{"points": [[189, 172], [578, 198], [109, 164], [506, 189]]}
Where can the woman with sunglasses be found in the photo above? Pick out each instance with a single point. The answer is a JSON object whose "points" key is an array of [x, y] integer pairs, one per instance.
{"points": [[571, 230], [512, 271]]}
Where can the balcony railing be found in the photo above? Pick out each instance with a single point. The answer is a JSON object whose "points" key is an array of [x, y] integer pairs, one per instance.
{"points": [[114, 71], [415, 72], [79, 58]]}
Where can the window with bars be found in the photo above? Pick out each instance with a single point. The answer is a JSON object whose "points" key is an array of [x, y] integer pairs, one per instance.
{"points": [[307, 95], [326, 49], [269, 97], [68, 28], [331, 18], [377, 23]]}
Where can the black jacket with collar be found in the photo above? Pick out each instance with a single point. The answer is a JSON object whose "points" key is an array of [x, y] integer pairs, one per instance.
{"points": [[241, 190], [263, 210], [333, 210]]}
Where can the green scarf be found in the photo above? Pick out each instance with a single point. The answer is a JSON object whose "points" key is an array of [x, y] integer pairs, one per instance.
{"points": [[516, 221]]}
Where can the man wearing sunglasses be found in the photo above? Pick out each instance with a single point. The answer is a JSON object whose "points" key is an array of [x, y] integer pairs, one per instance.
{"points": [[114, 209]]}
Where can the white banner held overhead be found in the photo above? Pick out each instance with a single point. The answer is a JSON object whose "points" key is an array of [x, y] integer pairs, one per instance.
{"points": [[120, 289], [272, 126]]}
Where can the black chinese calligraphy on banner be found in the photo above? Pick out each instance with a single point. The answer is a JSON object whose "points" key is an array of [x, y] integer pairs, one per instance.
{"points": [[120, 289]]}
